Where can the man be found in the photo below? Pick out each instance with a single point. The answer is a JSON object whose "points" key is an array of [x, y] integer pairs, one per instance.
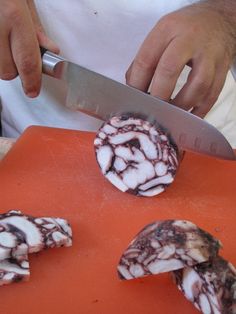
{"points": [[111, 37]]}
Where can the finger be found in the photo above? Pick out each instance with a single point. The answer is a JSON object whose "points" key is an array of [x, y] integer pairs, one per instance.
{"points": [[140, 73], [169, 68], [198, 84], [43, 39], [8, 69], [26, 54], [211, 97]]}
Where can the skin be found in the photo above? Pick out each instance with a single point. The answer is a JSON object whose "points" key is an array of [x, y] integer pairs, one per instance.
{"points": [[21, 33], [201, 35]]}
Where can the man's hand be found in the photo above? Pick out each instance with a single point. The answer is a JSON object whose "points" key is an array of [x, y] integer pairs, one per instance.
{"points": [[21, 33], [203, 36]]}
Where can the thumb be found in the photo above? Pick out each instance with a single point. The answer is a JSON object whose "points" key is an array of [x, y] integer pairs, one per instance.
{"points": [[43, 39]]}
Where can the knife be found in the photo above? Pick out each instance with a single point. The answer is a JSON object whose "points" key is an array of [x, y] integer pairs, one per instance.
{"points": [[102, 97]]}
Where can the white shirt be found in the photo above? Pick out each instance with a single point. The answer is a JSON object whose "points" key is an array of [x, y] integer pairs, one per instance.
{"points": [[103, 36]]}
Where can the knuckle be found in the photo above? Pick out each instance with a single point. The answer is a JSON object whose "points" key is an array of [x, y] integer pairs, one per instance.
{"points": [[202, 84], [143, 64], [168, 22], [167, 68], [8, 76], [11, 12], [28, 66]]}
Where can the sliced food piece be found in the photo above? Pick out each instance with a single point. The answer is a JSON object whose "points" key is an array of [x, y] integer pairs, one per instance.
{"points": [[210, 286], [135, 156], [165, 246], [21, 234], [14, 270]]}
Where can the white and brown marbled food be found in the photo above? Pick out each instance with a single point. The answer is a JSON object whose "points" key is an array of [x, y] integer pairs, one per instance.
{"points": [[21, 234], [210, 286], [14, 270], [135, 156], [166, 246]]}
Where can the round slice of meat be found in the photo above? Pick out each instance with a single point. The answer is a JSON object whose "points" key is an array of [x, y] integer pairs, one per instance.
{"points": [[135, 156], [210, 286], [166, 246]]}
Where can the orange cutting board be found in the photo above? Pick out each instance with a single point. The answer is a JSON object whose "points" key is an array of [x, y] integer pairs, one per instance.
{"points": [[53, 172]]}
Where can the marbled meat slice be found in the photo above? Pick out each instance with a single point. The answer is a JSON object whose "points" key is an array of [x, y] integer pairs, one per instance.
{"points": [[14, 270], [165, 246], [135, 156], [21, 234], [210, 286]]}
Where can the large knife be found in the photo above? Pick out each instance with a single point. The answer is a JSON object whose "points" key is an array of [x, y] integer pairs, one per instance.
{"points": [[102, 97]]}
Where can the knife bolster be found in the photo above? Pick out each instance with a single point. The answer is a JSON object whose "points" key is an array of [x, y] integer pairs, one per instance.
{"points": [[53, 65]]}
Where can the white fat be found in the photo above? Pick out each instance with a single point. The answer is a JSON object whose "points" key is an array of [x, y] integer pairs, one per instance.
{"points": [[161, 168], [167, 179], [145, 143], [204, 304], [58, 237], [155, 244], [123, 152], [32, 233], [108, 129], [196, 255], [104, 157], [8, 239], [97, 142], [116, 181], [164, 138], [13, 268], [215, 302], [124, 272], [119, 164], [8, 277], [121, 138], [191, 283], [102, 135], [149, 259], [25, 264], [160, 266], [136, 270], [166, 251], [129, 155], [148, 146], [38, 221], [64, 225], [118, 123], [152, 192], [21, 249], [165, 154], [132, 177], [4, 253], [49, 226], [184, 224]]}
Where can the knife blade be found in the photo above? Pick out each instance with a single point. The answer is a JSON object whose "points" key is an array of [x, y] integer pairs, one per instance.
{"points": [[102, 97]]}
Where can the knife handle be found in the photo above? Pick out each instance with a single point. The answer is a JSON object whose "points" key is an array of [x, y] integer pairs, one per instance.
{"points": [[52, 64]]}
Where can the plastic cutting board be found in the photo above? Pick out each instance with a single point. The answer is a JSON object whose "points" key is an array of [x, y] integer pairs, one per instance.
{"points": [[53, 172]]}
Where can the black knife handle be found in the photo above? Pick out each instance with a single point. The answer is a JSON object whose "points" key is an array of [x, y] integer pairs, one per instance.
{"points": [[42, 51]]}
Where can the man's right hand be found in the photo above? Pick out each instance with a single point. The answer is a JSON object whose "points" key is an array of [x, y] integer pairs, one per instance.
{"points": [[21, 34]]}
